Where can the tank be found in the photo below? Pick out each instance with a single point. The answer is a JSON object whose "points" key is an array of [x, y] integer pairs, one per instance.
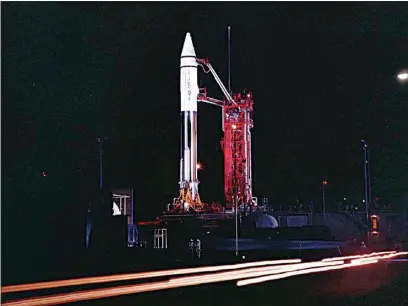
{"points": [[266, 221]]}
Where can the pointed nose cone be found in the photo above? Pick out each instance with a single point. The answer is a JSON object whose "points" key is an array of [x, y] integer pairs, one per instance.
{"points": [[188, 48]]}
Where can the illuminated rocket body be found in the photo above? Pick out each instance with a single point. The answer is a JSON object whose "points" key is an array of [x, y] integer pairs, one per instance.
{"points": [[188, 95]]}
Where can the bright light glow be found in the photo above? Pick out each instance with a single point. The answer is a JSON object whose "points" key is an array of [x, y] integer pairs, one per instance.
{"points": [[199, 166], [234, 127], [403, 76], [116, 210]]}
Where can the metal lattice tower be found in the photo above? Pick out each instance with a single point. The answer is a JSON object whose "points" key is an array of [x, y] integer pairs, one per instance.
{"points": [[236, 146]]}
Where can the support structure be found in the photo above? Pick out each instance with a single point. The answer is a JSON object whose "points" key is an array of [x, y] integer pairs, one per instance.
{"points": [[237, 122], [236, 146]]}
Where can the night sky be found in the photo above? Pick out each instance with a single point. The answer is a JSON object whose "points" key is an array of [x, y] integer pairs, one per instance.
{"points": [[323, 76]]}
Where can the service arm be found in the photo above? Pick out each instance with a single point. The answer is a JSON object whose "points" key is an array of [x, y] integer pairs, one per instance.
{"points": [[206, 63]]}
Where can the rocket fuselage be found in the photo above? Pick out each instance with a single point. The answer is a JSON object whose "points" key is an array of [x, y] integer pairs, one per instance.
{"points": [[188, 97]]}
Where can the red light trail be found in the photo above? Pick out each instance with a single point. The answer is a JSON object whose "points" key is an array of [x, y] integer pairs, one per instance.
{"points": [[358, 256], [139, 275], [246, 274], [307, 271], [161, 285]]}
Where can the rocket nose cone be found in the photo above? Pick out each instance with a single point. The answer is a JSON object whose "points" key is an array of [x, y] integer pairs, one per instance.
{"points": [[188, 48]]}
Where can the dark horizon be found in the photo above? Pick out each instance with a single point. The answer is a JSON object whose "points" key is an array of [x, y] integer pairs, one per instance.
{"points": [[323, 77]]}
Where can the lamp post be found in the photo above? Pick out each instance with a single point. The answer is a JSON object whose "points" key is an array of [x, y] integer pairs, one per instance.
{"points": [[369, 178], [324, 184], [366, 182], [100, 141]]}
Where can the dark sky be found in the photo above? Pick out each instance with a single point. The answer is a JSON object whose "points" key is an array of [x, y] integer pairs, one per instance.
{"points": [[323, 76]]}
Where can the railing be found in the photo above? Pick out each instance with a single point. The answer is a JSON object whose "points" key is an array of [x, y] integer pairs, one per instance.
{"points": [[160, 238], [216, 216]]}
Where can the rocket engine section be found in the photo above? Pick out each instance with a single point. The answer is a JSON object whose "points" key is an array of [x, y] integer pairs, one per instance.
{"points": [[188, 97]]}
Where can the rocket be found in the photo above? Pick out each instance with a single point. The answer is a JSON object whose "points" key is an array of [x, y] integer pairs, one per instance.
{"points": [[188, 100]]}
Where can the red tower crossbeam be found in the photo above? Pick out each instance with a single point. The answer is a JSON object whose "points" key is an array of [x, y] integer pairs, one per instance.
{"points": [[236, 146]]}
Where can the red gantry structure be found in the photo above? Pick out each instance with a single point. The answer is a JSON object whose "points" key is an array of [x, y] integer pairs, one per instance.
{"points": [[236, 146], [236, 143]]}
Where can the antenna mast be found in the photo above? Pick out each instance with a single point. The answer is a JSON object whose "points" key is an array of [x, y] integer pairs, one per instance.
{"points": [[229, 59]]}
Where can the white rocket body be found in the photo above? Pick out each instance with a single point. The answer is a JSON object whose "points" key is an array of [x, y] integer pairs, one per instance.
{"points": [[188, 94]]}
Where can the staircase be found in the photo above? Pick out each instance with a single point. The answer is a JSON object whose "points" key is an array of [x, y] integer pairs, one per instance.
{"points": [[341, 225], [357, 219]]}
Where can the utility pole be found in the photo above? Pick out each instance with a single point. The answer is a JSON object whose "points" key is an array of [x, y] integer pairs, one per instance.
{"points": [[229, 60], [89, 215], [100, 141], [366, 184], [369, 179], [324, 184]]}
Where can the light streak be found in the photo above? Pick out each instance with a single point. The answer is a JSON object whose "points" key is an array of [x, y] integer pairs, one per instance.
{"points": [[139, 275], [234, 275], [380, 257], [357, 256], [295, 273], [259, 272], [153, 286]]}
